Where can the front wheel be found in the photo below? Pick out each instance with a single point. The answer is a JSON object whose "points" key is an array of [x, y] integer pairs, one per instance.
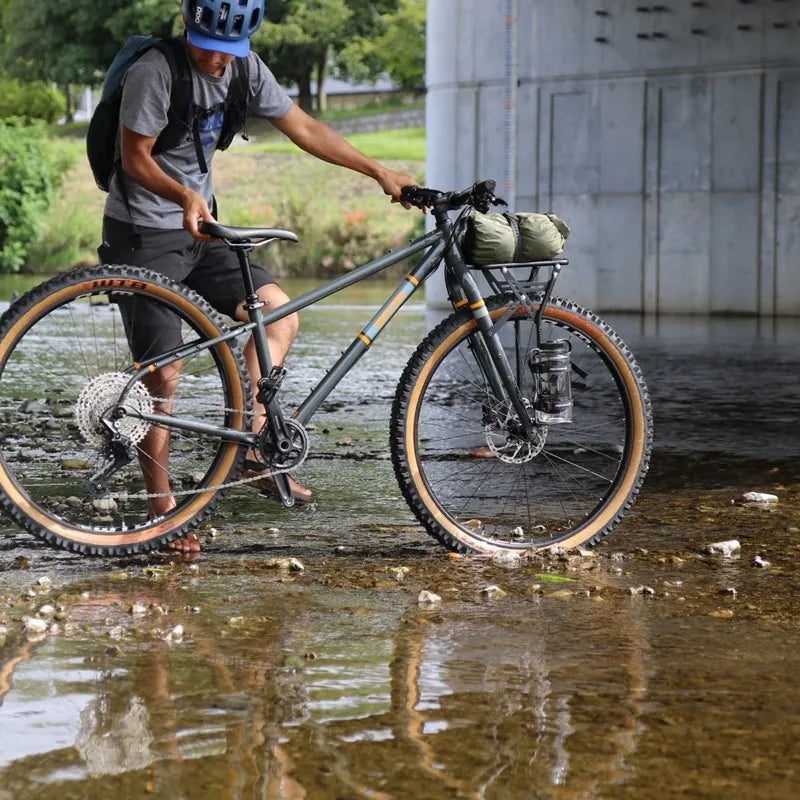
{"points": [[467, 472]]}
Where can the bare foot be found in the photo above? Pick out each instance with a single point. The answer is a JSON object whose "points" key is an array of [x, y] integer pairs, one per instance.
{"points": [[189, 544]]}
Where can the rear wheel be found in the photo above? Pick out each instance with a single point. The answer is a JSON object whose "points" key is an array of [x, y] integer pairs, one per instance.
{"points": [[64, 360], [469, 476]]}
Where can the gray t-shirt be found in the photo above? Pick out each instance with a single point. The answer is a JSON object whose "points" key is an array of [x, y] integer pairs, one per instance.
{"points": [[145, 102]]}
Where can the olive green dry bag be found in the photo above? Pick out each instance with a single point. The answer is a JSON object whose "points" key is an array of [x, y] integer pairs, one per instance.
{"points": [[513, 238]]}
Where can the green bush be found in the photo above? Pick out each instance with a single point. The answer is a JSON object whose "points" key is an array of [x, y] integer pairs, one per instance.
{"points": [[30, 101], [30, 172]]}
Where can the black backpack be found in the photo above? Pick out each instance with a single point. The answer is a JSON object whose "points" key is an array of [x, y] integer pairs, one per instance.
{"points": [[101, 138]]}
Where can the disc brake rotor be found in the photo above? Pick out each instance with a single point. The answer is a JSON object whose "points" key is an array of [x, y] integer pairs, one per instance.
{"points": [[100, 396], [507, 445]]}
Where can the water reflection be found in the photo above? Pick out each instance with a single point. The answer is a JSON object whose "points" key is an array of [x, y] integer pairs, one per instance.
{"points": [[312, 696]]}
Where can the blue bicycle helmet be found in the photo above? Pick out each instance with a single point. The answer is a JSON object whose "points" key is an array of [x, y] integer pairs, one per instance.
{"points": [[223, 25]]}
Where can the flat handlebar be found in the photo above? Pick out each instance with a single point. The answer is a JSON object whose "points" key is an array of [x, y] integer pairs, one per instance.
{"points": [[480, 196]]}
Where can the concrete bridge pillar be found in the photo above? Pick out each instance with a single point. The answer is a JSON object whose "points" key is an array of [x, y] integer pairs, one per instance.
{"points": [[665, 134]]}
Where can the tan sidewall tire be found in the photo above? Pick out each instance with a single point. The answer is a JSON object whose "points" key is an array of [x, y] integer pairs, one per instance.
{"points": [[632, 473], [60, 290]]}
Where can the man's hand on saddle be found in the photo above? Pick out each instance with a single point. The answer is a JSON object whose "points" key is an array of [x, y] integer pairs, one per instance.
{"points": [[195, 211]]}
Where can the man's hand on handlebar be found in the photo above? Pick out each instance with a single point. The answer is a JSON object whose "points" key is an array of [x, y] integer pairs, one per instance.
{"points": [[393, 184], [480, 196]]}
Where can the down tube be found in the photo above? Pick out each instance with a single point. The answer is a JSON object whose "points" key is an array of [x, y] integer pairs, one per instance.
{"points": [[369, 333]]}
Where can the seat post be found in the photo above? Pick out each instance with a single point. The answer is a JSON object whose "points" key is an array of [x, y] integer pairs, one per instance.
{"points": [[251, 301]]}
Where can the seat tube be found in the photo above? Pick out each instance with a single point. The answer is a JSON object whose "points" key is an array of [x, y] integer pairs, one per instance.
{"points": [[253, 308]]}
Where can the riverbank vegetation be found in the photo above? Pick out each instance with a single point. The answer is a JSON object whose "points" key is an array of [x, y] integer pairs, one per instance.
{"points": [[342, 218]]}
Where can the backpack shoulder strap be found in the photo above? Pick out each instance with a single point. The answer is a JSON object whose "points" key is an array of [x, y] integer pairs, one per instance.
{"points": [[181, 100], [236, 103]]}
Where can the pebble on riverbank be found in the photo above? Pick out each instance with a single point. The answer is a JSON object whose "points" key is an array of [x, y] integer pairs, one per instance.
{"points": [[726, 548]]}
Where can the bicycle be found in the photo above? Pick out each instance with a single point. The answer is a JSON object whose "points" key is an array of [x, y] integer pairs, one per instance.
{"points": [[520, 422]]}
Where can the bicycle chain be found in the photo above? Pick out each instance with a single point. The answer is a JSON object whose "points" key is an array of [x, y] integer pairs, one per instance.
{"points": [[268, 473]]}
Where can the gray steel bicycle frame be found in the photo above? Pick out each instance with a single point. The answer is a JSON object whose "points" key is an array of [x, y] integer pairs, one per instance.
{"points": [[435, 240]]}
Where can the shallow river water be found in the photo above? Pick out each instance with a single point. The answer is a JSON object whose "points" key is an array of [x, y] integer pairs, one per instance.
{"points": [[645, 670]]}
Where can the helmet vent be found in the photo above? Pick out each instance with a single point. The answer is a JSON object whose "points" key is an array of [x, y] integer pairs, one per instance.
{"points": [[238, 23], [207, 18], [224, 13]]}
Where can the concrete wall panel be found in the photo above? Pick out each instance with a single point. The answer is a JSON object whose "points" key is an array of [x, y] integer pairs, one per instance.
{"points": [[666, 135], [734, 253]]}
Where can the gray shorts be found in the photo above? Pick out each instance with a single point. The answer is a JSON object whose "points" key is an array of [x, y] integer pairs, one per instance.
{"points": [[210, 268]]}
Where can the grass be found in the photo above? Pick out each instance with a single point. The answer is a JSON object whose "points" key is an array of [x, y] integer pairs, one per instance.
{"points": [[342, 217], [404, 144]]}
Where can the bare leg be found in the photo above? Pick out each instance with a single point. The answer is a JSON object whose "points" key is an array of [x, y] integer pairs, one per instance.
{"points": [[280, 336], [154, 451]]}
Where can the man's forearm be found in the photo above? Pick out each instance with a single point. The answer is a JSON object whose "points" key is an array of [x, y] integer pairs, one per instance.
{"points": [[143, 169]]}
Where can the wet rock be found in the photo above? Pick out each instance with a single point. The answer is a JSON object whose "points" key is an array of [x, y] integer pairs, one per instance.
{"points": [[35, 625], [138, 609], [646, 591], [726, 548], [493, 592], [562, 594], [759, 497], [75, 464], [116, 633], [104, 505], [399, 573], [760, 562], [3, 632], [518, 533], [236, 622], [507, 558], [47, 611], [428, 599], [290, 564], [34, 406], [725, 613], [272, 531], [728, 591], [45, 582], [175, 635], [585, 552]]}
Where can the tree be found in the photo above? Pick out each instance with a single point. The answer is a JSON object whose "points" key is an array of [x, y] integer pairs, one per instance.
{"points": [[300, 38], [296, 39], [398, 49], [72, 43]]}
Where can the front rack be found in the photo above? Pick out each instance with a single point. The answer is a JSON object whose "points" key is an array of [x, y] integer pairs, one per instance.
{"points": [[537, 285]]}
